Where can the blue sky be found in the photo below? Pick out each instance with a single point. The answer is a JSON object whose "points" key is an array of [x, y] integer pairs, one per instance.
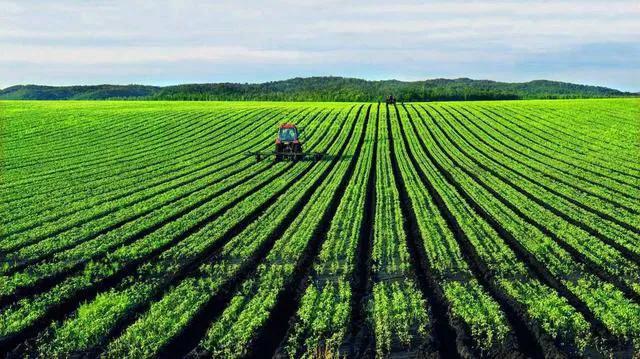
{"points": [[170, 42]]}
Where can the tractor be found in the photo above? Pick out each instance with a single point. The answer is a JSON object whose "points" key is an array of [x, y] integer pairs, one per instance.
{"points": [[391, 100], [288, 146]]}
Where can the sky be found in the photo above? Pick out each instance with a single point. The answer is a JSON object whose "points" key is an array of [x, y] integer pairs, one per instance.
{"points": [[69, 42]]}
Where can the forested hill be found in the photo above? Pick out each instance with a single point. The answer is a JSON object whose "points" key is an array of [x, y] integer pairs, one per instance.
{"points": [[321, 89]]}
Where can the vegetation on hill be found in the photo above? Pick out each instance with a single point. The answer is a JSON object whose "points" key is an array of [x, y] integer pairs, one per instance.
{"points": [[97, 92], [321, 89]]}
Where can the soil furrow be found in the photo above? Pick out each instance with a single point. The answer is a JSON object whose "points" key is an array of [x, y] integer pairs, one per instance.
{"points": [[359, 331], [186, 342], [61, 310], [576, 203], [281, 317], [449, 334], [624, 251], [537, 268]]}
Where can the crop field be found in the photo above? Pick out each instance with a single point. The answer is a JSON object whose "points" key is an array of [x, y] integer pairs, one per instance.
{"points": [[469, 229]]}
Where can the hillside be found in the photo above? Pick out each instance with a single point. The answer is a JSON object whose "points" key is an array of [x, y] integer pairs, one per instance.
{"points": [[97, 92], [320, 89]]}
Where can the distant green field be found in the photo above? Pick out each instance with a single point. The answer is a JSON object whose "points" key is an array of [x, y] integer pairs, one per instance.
{"points": [[143, 229]]}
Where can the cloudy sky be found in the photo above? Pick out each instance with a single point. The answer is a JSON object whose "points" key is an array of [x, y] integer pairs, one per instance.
{"points": [[169, 42]]}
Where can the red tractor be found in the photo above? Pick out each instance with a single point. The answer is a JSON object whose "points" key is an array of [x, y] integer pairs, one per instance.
{"points": [[288, 146]]}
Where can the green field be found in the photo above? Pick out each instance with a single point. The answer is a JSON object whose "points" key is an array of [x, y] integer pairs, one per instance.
{"points": [[142, 229]]}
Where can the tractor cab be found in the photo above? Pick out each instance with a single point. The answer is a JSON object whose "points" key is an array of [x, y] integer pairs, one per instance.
{"points": [[287, 133]]}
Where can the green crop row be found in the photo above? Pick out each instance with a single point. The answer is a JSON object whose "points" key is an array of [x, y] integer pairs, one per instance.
{"points": [[397, 310], [607, 257], [143, 229], [132, 207], [556, 260], [142, 337], [555, 157], [481, 314], [324, 314], [560, 130], [35, 216], [233, 332], [65, 193], [499, 258], [114, 262]]}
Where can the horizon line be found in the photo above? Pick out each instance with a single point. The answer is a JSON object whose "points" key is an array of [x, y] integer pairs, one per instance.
{"points": [[314, 76]]}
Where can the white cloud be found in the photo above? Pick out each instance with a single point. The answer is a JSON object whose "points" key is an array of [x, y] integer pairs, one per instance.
{"points": [[140, 54], [224, 55], [511, 8]]}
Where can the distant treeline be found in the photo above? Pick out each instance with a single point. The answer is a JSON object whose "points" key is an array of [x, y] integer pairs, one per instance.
{"points": [[321, 89]]}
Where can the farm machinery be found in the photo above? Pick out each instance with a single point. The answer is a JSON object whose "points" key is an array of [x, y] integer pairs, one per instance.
{"points": [[391, 100], [288, 146]]}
